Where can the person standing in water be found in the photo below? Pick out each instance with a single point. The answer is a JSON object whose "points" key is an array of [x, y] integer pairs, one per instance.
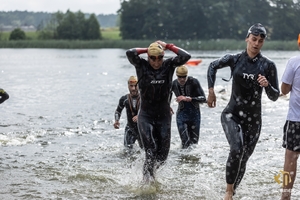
{"points": [[189, 94], [241, 119], [291, 137], [131, 102], [155, 83], [3, 96]]}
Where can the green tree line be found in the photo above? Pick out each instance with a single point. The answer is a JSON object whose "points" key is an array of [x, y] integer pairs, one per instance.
{"points": [[181, 20], [70, 26], [202, 19], [17, 19]]}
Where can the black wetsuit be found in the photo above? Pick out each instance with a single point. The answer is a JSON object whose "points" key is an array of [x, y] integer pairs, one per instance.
{"points": [[154, 119], [131, 130], [188, 116], [241, 119], [3, 96]]}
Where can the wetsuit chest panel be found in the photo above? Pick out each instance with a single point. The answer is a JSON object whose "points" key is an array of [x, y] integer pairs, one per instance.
{"points": [[156, 85], [246, 92], [188, 89], [246, 73]]}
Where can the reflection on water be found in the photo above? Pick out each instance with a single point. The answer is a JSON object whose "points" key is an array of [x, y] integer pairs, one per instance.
{"points": [[57, 139]]}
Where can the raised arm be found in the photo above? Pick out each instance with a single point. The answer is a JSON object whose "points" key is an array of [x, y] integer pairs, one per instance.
{"points": [[182, 55], [133, 55]]}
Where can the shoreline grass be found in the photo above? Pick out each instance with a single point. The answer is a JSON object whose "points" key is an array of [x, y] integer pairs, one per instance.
{"points": [[224, 44]]}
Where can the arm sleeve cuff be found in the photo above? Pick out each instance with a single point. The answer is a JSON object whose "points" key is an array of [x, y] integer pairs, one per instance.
{"points": [[172, 47], [141, 50]]}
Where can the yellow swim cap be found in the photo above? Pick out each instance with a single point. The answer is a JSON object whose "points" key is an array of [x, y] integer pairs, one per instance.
{"points": [[132, 80], [299, 38], [155, 49], [182, 70]]}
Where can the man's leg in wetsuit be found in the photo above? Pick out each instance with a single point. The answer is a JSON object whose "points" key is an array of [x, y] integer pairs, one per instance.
{"points": [[163, 128], [183, 130], [129, 137], [145, 126], [138, 137], [194, 127], [156, 137]]}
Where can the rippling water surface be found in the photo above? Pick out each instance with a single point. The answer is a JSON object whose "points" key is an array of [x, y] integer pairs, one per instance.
{"points": [[57, 138]]}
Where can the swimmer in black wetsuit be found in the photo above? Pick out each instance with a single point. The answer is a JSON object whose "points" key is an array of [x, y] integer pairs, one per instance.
{"points": [[3, 96], [241, 119], [155, 81], [189, 94], [131, 102]]}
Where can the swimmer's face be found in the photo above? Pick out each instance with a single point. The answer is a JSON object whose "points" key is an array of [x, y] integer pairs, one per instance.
{"points": [[133, 89], [156, 61], [181, 79], [254, 44]]}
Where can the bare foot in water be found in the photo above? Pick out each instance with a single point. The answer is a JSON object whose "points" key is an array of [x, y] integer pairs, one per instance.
{"points": [[228, 195]]}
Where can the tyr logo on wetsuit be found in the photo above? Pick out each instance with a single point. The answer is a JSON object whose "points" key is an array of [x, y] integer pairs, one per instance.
{"points": [[248, 76]]}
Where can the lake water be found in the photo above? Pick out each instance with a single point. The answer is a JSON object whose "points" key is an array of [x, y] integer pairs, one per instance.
{"points": [[57, 138]]}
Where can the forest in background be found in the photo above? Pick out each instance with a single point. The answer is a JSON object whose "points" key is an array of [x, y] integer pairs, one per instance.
{"points": [[185, 20], [208, 19]]}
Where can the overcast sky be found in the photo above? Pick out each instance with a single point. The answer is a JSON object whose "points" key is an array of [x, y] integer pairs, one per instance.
{"points": [[85, 6]]}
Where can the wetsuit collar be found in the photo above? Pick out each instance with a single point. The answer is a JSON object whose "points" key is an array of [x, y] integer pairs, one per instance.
{"points": [[256, 58], [134, 96]]}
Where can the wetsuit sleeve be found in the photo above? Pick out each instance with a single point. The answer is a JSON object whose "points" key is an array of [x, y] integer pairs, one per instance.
{"points": [[3, 96], [225, 61], [170, 97], [133, 55], [272, 89], [182, 55], [200, 95], [120, 107]]}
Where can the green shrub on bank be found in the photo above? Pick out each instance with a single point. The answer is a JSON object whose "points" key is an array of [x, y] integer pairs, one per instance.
{"points": [[30, 35], [17, 34]]}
